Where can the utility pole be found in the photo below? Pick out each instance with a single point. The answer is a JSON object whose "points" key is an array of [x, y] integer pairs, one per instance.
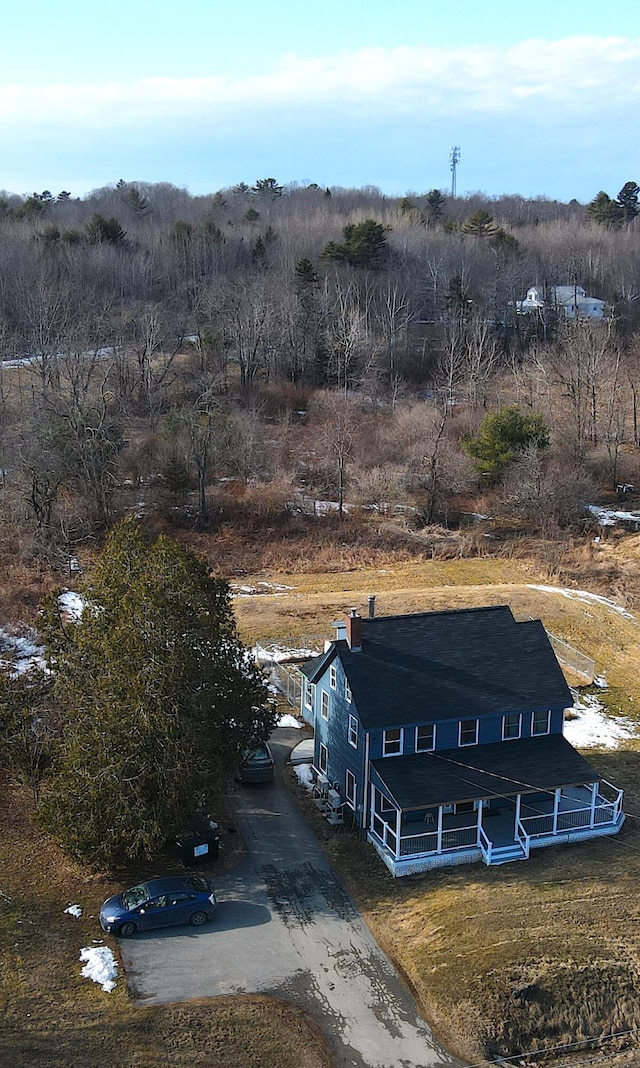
{"points": [[454, 159]]}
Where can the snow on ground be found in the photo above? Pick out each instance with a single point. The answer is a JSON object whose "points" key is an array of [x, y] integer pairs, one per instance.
{"points": [[71, 605], [305, 777], [260, 587], [610, 517], [101, 966], [288, 720], [584, 595], [593, 728], [20, 652], [275, 654], [74, 910]]}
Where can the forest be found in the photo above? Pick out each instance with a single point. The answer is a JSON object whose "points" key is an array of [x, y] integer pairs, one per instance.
{"points": [[250, 359]]}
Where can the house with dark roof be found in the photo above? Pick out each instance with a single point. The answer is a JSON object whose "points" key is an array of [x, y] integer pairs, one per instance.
{"points": [[440, 736]]}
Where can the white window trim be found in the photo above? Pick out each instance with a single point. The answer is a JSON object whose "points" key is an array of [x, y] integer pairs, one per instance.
{"points": [[323, 751], [431, 747], [540, 734], [352, 720], [333, 677], [347, 692], [401, 740], [309, 694], [512, 737], [324, 703], [462, 744], [351, 800]]}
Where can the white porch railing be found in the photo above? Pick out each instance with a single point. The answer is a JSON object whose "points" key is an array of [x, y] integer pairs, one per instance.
{"points": [[546, 825], [523, 838]]}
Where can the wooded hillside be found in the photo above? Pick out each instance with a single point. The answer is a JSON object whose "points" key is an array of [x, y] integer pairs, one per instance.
{"points": [[219, 359]]}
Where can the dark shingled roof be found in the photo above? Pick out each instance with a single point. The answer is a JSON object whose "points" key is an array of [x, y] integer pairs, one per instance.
{"points": [[525, 766], [443, 665]]}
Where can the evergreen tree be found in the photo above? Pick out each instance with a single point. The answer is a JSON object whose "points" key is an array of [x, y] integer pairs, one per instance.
{"points": [[628, 200], [480, 223], [435, 204], [158, 699], [365, 245], [605, 211], [504, 435], [101, 231]]}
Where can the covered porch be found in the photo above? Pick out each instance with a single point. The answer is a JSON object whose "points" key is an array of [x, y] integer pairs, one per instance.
{"points": [[441, 812]]}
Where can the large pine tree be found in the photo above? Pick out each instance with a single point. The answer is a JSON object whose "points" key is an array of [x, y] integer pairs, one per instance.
{"points": [[158, 698]]}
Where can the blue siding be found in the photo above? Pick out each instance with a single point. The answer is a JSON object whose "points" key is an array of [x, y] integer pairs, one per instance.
{"points": [[447, 732], [334, 733]]}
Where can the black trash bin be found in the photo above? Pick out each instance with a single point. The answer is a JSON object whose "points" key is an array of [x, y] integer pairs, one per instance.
{"points": [[196, 847]]}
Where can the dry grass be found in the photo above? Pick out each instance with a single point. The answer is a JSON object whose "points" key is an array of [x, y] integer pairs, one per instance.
{"points": [[50, 1015]]}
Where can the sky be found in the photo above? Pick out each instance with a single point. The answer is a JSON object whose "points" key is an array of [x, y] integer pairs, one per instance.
{"points": [[542, 99]]}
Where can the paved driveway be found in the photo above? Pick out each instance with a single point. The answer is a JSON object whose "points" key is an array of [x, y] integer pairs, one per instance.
{"points": [[286, 927]]}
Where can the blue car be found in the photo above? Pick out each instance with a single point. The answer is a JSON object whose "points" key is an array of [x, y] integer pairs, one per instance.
{"points": [[159, 903]]}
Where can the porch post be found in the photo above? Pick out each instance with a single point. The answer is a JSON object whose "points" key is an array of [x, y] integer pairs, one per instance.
{"points": [[439, 828], [479, 821], [517, 819], [398, 823], [556, 806], [594, 798]]}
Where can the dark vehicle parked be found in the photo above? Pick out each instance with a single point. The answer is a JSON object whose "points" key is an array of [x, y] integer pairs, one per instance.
{"points": [[257, 764], [159, 903]]}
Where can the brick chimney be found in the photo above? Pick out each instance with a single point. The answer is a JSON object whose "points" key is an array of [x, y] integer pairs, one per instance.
{"points": [[354, 631]]}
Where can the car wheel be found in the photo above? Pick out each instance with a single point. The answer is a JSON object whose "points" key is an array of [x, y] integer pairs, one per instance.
{"points": [[196, 919], [127, 929]]}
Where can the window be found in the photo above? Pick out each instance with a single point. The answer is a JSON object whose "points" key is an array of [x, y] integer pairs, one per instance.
{"points": [[347, 691], [333, 677], [350, 789], [353, 732], [310, 693], [324, 705], [323, 758], [511, 726], [392, 742], [468, 732], [540, 722], [426, 738]]}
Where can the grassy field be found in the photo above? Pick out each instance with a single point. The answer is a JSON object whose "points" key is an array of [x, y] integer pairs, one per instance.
{"points": [[527, 956]]}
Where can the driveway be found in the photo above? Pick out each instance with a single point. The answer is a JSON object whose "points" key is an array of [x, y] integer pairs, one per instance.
{"points": [[286, 927]]}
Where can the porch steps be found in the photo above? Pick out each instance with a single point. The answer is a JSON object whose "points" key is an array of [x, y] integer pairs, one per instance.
{"points": [[504, 854]]}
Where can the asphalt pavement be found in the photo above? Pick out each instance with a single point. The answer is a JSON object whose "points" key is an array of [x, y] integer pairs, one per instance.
{"points": [[286, 927]]}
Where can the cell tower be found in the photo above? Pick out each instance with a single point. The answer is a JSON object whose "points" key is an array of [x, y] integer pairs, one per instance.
{"points": [[454, 159]]}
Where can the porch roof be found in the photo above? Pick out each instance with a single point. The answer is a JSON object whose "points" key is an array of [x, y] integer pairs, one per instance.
{"points": [[422, 780]]}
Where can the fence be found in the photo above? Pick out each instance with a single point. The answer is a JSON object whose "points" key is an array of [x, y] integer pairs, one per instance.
{"points": [[573, 658], [288, 679]]}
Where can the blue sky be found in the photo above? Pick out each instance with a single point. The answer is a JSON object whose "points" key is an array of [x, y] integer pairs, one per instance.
{"points": [[542, 98]]}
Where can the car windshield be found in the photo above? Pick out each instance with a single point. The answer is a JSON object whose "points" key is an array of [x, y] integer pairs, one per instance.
{"points": [[260, 752], [135, 896]]}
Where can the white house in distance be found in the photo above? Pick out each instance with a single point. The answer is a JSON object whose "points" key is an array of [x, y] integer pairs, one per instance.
{"points": [[571, 302]]}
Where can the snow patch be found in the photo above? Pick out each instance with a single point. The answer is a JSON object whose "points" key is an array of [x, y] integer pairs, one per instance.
{"points": [[287, 720], [304, 775], [592, 728], [584, 595], [101, 966], [275, 654], [24, 653], [71, 605], [74, 910], [610, 517], [260, 587]]}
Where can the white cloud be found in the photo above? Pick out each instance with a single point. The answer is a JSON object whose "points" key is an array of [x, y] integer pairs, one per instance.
{"points": [[577, 75]]}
